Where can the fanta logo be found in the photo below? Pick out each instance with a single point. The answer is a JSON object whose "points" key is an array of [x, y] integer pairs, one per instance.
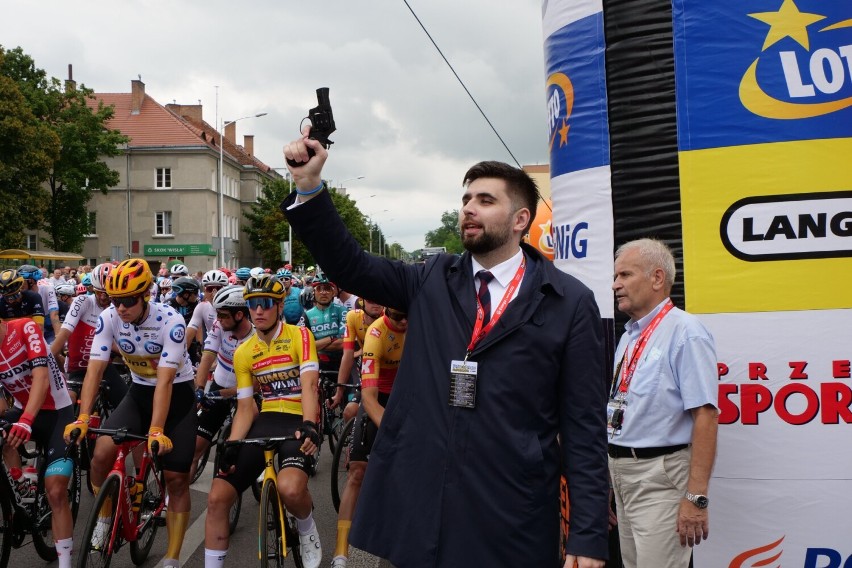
{"points": [[820, 74], [765, 555], [560, 104], [788, 227]]}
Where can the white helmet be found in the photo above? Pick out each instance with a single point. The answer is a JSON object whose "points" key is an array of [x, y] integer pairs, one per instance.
{"points": [[165, 283], [214, 278], [230, 296], [257, 271], [99, 276], [179, 270], [65, 290]]}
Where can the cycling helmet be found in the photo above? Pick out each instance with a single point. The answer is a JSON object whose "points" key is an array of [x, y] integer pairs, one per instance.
{"points": [[230, 297], [264, 285], [99, 276], [243, 273], [257, 271], [214, 278], [131, 277], [29, 272], [179, 270], [288, 266], [185, 284], [284, 274], [311, 269], [322, 279], [87, 280], [10, 282], [65, 290], [81, 290]]}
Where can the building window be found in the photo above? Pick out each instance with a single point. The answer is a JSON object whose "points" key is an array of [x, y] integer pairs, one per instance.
{"points": [[32, 242], [92, 224], [163, 223], [164, 178], [92, 262]]}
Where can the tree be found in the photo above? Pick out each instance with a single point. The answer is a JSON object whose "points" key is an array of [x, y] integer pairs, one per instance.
{"points": [[77, 170], [27, 150], [447, 235], [267, 226]]}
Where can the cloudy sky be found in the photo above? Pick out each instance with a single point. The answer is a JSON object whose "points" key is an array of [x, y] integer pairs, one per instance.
{"points": [[404, 122]]}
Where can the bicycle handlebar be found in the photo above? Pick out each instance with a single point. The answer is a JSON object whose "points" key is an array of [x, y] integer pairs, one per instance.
{"points": [[267, 443]]}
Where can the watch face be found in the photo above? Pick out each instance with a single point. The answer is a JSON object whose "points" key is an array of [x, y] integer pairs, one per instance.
{"points": [[701, 502]]}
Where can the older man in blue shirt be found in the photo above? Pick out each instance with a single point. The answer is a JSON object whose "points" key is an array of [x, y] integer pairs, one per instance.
{"points": [[662, 414]]}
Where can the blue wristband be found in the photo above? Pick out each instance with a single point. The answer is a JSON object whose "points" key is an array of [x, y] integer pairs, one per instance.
{"points": [[317, 189]]}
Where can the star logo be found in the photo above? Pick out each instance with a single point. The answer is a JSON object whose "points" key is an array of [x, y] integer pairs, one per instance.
{"points": [[788, 21]]}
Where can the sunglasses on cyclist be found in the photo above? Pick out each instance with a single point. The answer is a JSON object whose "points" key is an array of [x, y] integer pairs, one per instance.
{"points": [[265, 303], [128, 302], [223, 315], [395, 315]]}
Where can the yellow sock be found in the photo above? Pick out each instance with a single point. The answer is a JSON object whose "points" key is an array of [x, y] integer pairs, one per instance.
{"points": [[342, 548], [176, 524], [106, 508]]}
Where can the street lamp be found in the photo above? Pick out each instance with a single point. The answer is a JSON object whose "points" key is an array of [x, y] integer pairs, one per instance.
{"points": [[342, 188], [370, 219], [222, 180]]}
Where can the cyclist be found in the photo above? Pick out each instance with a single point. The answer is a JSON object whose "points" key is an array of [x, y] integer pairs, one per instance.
{"points": [[232, 327], [64, 294], [383, 345], [37, 386], [78, 331], [152, 340], [178, 271], [16, 301], [243, 274], [357, 322], [280, 359], [87, 282], [184, 302], [34, 282], [294, 314], [204, 314], [327, 321]]}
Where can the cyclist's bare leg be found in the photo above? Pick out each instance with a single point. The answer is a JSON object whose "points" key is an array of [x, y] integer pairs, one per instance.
{"points": [[350, 410], [293, 489], [62, 523], [102, 460], [219, 502], [352, 490]]}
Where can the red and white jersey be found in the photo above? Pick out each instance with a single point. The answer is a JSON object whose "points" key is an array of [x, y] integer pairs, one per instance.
{"points": [[22, 350], [81, 320]]}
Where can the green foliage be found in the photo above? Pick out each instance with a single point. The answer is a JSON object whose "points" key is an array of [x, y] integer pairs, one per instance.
{"points": [[447, 235], [68, 123]]}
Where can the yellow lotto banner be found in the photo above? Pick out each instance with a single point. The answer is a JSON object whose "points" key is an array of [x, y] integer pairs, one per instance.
{"points": [[768, 227]]}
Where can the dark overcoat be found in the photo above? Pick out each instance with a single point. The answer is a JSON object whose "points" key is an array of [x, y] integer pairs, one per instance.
{"points": [[459, 487]]}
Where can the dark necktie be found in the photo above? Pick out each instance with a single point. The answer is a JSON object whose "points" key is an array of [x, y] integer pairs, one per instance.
{"points": [[484, 295]]}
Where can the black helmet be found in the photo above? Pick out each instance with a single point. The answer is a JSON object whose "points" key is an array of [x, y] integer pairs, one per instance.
{"points": [[10, 282], [185, 284]]}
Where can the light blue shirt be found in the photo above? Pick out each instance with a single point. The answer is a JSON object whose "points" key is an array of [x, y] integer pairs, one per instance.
{"points": [[677, 372]]}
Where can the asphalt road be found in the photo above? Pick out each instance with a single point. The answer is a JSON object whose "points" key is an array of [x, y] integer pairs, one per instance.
{"points": [[243, 548]]}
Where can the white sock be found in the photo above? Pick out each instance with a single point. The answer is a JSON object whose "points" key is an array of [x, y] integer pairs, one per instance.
{"points": [[63, 551], [214, 558], [171, 563], [305, 524]]}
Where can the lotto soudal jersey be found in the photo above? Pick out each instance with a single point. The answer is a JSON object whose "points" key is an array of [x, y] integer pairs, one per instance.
{"points": [[382, 353], [159, 341], [276, 367], [81, 320], [23, 350], [224, 344]]}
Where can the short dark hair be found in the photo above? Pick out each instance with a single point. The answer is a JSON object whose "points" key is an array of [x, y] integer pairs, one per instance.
{"points": [[521, 187]]}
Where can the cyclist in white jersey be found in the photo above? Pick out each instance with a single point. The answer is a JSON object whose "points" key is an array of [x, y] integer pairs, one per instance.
{"points": [[204, 314], [152, 340]]}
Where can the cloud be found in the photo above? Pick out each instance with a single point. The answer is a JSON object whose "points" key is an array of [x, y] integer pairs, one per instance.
{"points": [[403, 120]]}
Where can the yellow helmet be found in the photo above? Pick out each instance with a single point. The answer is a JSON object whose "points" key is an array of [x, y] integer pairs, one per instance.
{"points": [[131, 277], [10, 282], [264, 286]]}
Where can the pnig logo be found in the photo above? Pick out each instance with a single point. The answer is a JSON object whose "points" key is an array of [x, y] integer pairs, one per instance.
{"points": [[770, 555], [805, 49]]}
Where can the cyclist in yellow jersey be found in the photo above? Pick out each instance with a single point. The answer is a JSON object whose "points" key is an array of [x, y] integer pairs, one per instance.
{"points": [[357, 322], [280, 362], [383, 345]]}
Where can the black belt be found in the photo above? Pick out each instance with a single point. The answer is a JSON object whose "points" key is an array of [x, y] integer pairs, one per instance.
{"points": [[643, 453]]}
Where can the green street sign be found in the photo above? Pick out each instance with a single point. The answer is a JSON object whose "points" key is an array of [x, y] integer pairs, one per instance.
{"points": [[179, 250]]}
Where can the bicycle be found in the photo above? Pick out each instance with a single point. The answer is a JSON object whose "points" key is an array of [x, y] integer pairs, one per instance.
{"points": [[330, 423], [340, 463], [133, 518], [277, 532], [221, 433], [19, 519]]}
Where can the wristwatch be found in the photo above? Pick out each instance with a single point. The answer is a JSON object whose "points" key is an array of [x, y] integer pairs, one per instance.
{"points": [[700, 501]]}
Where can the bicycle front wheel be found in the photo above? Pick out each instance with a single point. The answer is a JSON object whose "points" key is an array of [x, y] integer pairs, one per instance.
{"points": [[340, 463], [95, 547], [269, 527], [152, 496], [201, 464], [5, 525]]}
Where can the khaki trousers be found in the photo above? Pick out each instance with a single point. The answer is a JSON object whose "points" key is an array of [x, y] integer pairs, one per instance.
{"points": [[647, 498]]}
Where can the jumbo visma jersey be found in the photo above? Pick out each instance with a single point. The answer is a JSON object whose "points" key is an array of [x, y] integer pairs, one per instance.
{"points": [[159, 341], [276, 368]]}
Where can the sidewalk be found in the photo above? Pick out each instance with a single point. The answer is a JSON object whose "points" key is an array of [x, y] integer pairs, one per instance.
{"points": [[360, 559]]}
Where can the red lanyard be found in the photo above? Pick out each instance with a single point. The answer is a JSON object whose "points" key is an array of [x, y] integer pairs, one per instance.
{"points": [[479, 332], [627, 372]]}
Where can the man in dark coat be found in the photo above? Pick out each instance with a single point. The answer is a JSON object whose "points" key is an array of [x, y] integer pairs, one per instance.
{"points": [[465, 469]]}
